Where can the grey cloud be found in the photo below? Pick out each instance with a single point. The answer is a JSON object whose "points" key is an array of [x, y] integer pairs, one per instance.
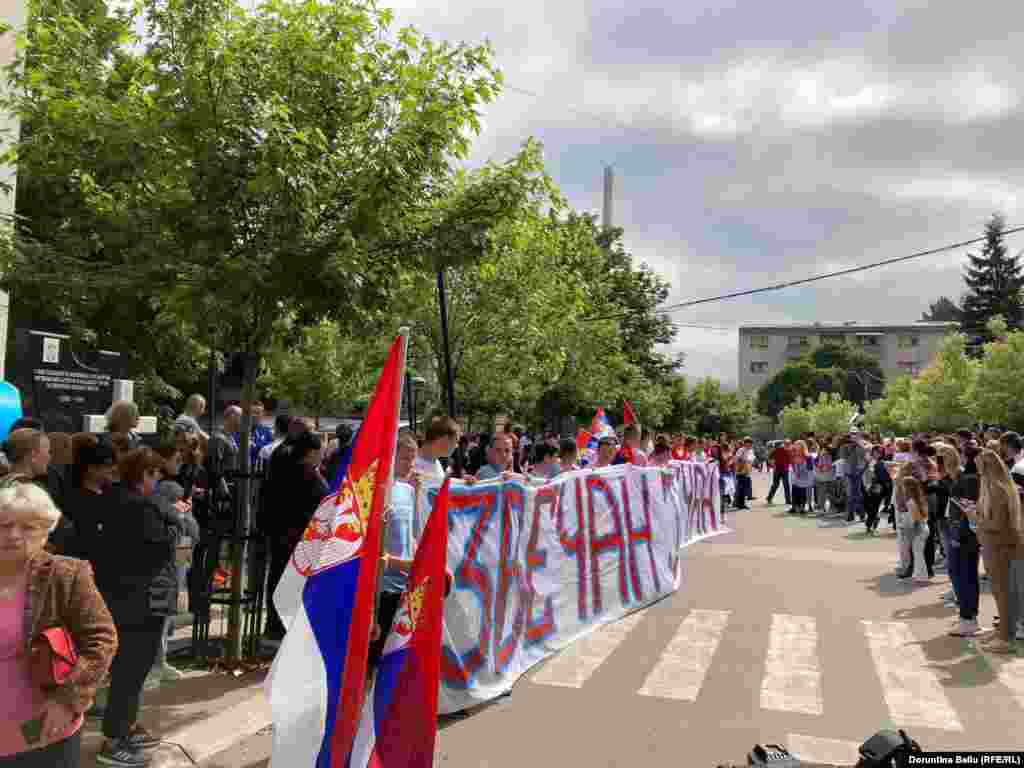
{"points": [[758, 142]]}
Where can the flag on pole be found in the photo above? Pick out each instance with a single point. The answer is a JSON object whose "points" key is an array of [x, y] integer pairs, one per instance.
{"points": [[628, 414], [599, 427], [583, 439], [399, 723], [326, 597]]}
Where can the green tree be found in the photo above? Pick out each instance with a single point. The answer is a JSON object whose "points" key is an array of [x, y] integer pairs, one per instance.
{"points": [[994, 281], [322, 368], [830, 413], [796, 420], [996, 397], [939, 397], [797, 380], [944, 309], [892, 413], [240, 164], [862, 374]]}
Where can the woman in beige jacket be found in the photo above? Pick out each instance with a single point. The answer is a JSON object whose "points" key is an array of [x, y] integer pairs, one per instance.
{"points": [[1001, 535]]}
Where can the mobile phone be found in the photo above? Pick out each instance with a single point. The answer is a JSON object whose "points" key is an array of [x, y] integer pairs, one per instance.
{"points": [[32, 730]]}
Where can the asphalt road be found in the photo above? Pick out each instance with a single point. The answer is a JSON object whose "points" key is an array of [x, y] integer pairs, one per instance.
{"points": [[789, 630]]}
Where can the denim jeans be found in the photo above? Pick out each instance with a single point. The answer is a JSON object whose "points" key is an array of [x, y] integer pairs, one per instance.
{"points": [[967, 579], [780, 477], [952, 553]]}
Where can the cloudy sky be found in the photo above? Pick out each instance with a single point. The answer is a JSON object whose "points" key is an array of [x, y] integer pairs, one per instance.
{"points": [[756, 142]]}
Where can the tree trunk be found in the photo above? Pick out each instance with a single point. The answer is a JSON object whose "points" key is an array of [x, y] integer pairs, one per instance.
{"points": [[239, 548]]}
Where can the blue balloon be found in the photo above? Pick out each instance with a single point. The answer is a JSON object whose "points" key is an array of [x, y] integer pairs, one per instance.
{"points": [[10, 407]]}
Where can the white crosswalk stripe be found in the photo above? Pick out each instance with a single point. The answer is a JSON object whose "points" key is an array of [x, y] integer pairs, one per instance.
{"points": [[912, 690], [792, 674], [792, 677], [811, 749], [574, 665], [680, 672]]}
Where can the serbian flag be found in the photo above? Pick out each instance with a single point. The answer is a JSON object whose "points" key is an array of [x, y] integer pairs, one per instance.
{"points": [[399, 724], [326, 597], [628, 414], [582, 439], [599, 427]]}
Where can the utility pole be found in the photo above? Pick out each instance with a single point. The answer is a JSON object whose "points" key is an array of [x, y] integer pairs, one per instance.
{"points": [[607, 212]]}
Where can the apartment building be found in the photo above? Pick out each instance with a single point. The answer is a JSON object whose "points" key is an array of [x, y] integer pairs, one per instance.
{"points": [[903, 349]]}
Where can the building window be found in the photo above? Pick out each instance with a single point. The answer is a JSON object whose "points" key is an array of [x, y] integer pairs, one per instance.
{"points": [[758, 367], [834, 339], [799, 341], [908, 342], [759, 342]]}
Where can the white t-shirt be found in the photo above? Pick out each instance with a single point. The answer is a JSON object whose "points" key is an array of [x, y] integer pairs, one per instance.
{"points": [[429, 468]]}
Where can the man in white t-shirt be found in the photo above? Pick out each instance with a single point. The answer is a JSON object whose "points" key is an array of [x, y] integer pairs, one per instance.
{"points": [[440, 442]]}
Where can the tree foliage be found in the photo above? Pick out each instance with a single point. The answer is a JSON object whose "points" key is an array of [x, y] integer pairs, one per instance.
{"points": [[943, 309], [826, 369], [994, 281], [321, 368], [996, 396], [796, 420]]}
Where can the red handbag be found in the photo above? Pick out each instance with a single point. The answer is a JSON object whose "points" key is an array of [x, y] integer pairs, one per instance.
{"points": [[54, 656]]}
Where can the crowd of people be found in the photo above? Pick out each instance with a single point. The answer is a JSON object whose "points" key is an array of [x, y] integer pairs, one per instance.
{"points": [[953, 500], [99, 533]]}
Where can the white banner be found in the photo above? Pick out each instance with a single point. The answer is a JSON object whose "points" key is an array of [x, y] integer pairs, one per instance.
{"points": [[537, 567]]}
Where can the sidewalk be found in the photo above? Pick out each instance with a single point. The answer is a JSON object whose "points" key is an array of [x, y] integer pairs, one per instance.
{"points": [[204, 713]]}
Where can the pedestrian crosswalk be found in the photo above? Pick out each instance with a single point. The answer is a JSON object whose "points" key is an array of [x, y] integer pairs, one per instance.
{"points": [[791, 673], [683, 666]]}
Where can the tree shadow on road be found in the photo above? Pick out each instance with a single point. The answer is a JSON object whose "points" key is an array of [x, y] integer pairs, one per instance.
{"points": [[970, 668]]}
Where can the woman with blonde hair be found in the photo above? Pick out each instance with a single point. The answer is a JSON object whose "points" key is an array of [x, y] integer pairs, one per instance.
{"points": [[917, 511], [904, 522], [1000, 534]]}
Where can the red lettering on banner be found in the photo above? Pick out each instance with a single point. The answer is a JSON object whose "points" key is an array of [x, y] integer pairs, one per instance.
{"points": [[574, 545], [599, 544], [538, 630], [696, 501], [460, 668], [637, 535], [509, 578]]}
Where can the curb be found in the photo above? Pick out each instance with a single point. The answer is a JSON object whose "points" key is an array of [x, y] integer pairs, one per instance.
{"points": [[215, 734]]}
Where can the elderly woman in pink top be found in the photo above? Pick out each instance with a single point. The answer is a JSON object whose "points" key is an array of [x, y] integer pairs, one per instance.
{"points": [[39, 720]]}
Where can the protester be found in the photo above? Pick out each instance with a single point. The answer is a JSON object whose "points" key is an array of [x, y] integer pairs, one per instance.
{"points": [[568, 454], [744, 465], [439, 442], [999, 533], [40, 723], [130, 543], [781, 458], [188, 421]]}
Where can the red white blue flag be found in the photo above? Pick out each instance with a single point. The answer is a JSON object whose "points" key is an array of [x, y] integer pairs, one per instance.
{"points": [[399, 723], [326, 597]]}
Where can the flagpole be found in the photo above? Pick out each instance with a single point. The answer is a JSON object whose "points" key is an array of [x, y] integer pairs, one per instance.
{"points": [[404, 332]]}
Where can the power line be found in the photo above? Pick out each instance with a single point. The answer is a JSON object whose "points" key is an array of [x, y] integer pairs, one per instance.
{"points": [[814, 279]]}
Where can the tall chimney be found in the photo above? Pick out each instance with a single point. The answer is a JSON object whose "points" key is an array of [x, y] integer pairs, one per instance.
{"points": [[607, 217]]}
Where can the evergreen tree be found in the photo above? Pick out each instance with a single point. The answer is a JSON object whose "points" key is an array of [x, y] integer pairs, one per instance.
{"points": [[994, 281], [943, 310]]}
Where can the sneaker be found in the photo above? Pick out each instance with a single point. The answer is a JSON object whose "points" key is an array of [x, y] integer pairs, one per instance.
{"points": [[951, 595], [966, 628], [120, 754], [142, 739], [169, 674]]}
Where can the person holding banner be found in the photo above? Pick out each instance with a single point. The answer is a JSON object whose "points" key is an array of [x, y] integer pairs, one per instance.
{"points": [[440, 442], [569, 455]]}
